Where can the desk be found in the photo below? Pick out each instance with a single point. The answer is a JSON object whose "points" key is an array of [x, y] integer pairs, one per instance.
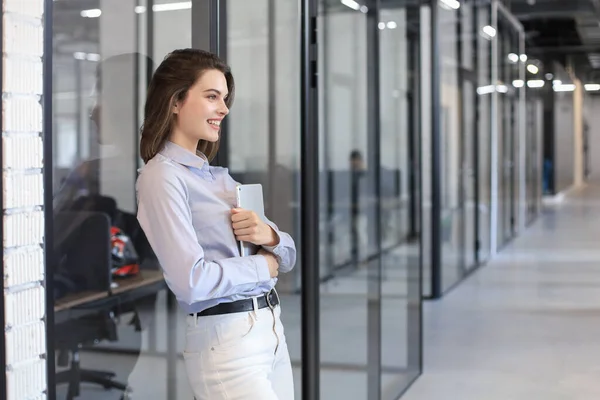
{"points": [[144, 278], [80, 304], [77, 299], [147, 282]]}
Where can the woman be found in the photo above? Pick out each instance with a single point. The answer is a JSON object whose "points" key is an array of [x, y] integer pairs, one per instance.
{"points": [[235, 346]]}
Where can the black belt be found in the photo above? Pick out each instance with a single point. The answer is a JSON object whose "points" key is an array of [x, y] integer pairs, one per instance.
{"points": [[269, 299]]}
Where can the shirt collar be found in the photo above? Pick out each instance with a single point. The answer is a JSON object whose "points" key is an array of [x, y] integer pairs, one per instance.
{"points": [[183, 156]]}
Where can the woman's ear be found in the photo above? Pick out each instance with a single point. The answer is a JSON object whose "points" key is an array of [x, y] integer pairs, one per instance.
{"points": [[176, 104]]}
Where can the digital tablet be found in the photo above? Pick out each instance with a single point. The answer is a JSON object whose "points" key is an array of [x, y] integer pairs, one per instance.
{"points": [[250, 197]]}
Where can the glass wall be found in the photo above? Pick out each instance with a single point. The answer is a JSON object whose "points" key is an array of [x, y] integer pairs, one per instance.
{"points": [[534, 131], [263, 143], [468, 82], [348, 204], [486, 170], [400, 179], [484, 126], [370, 293], [426, 128], [115, 328], [465, 125], [451, 160], [508, 128]]}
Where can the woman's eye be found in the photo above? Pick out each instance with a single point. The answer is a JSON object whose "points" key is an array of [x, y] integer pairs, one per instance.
{"points": [[212, 97]]}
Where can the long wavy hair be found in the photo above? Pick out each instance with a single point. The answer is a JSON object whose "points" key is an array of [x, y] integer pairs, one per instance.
{"points": [[170, 83]]}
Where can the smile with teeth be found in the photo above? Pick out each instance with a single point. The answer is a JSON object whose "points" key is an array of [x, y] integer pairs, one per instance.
{"points": [[214, 122]]}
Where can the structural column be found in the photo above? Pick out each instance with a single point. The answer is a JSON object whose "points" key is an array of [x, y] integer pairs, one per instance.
{"points": [[24, 341]]}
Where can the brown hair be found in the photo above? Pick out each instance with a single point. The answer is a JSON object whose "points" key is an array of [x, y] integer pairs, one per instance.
{"points": [[170, 83]]}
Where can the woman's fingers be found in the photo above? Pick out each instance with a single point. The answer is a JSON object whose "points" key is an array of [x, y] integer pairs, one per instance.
{"points": [[245, 231]]}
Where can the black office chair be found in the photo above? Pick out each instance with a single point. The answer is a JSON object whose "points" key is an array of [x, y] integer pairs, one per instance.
{"points": [[85, 264], [72, 336]]}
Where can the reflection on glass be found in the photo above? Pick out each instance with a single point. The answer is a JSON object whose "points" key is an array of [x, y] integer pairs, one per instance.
{"points": [[425, 125], [533, 156], [508, 128], [466, 91], [350, 257], [116, 326], [468, 126], [399, 174], [264, 129], [346, 202], [484, 79], [114, 323], [451, 136]]}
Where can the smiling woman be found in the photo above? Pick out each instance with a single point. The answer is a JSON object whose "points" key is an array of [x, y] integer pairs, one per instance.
{"points": [[231, 302]]}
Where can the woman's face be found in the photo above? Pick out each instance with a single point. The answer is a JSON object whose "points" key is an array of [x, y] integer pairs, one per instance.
{"points": [[200, 114]]}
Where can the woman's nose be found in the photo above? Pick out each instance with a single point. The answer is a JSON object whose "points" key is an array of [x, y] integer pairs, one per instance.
{"points": [[224, 110]]}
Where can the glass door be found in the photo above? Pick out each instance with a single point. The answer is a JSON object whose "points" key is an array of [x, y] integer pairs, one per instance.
{"points": [[370, 256], [508, 99], [533, 175], [452, 217], [263, 131], [347, 204], [482, 152], [469, 182], [468, 133], [399, 69]]}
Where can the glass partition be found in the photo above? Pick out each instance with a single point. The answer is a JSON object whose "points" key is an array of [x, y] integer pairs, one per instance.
{"points": [[263, 145], [533, 156], [118, 332], [114, 326], [466, 90], [400, 172], [452, 222], [510, 65], [347, 203], [370, 291], [484, 125]]}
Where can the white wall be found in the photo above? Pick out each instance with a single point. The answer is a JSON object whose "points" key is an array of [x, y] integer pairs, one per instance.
{"points": [[564, 137], [564, 141]]}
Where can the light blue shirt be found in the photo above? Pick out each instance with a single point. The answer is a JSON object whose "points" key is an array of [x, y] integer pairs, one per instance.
{"points": [[184, 208]]}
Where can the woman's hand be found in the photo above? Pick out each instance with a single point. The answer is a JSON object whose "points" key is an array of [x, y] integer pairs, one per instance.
{"points": [[248, 227]]}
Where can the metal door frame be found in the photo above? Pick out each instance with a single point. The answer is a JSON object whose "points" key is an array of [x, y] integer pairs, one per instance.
{"points": [[500, 9]]}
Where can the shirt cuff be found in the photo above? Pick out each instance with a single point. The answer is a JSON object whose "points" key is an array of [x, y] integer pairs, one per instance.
{"points": [[262, 268], [275, 250]]}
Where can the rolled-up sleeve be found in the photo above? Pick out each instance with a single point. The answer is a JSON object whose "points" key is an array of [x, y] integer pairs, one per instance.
{"points": [[165, 217], [284, 251]]}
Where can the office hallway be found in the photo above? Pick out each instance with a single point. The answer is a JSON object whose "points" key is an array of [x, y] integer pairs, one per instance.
{"points": [[527, 325]]}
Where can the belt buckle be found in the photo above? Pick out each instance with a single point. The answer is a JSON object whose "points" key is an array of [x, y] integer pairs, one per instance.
{"points": [[268, 297]]}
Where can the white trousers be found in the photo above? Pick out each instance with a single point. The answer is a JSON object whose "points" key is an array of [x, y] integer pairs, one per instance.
{"points": [[238, 356]]}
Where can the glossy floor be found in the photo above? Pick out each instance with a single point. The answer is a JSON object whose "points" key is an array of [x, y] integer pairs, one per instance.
{"points": [[527, 325]]}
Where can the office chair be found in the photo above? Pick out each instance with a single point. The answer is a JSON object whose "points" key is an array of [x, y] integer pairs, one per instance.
{"points": [[86, 263], [76, 334]]}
